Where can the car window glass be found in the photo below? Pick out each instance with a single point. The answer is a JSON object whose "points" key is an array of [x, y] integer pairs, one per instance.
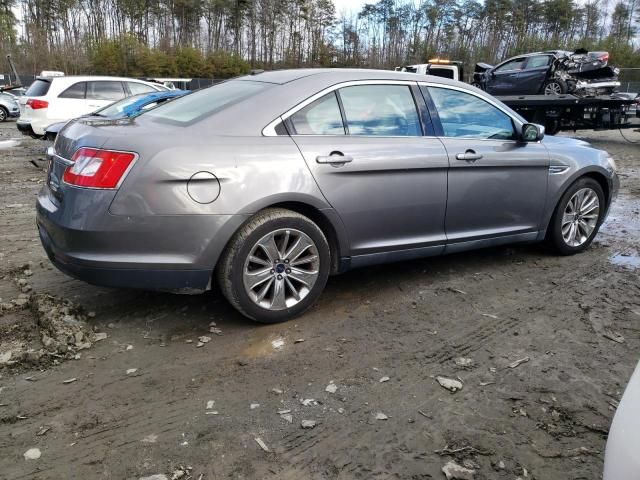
{"points": [[74, 91], [116, 109], [387, 110], [538, 61], [136, 88], [465, 115], [516, 64], [203, 103], [38, 88], [321, 117], [105, 90]]}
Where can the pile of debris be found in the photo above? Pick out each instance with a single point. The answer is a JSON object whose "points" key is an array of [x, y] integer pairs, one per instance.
{"points": [[61, 332]]}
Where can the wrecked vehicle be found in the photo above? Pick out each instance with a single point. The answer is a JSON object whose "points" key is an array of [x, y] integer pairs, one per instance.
{"points": [[581, 73]]}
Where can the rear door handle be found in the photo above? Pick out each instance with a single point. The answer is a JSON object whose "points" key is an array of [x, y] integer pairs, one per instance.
{"points": [[469, 156], [335, 158]]}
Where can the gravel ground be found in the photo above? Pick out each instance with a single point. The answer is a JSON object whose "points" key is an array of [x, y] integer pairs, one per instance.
{"points": [[542, 345]]}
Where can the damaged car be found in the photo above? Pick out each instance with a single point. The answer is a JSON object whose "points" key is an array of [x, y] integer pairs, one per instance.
{"points": [[581, 73]]}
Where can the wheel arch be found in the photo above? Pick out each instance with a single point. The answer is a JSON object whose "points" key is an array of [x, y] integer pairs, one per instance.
{"points": [[596, 175], [329, 223]]}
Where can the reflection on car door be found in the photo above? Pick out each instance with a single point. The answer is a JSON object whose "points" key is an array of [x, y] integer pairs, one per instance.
{"points": [[503, 80], [497, 185], [365, 148], [534, 74]]}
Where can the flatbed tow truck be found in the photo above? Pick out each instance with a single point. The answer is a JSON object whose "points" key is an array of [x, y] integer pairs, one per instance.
{"points": [[555, 112]]}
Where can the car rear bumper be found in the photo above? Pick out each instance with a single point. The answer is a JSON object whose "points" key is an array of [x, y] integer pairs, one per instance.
{"points": [[185, 281], [176, 253]]}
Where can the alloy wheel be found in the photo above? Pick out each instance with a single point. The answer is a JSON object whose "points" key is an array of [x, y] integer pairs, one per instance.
{"points": [[580, 217], [3, 115], [281, 269], [552, 88]]}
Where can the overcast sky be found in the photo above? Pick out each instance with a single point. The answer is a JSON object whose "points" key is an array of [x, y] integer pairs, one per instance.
{"points": [[350, 5]]}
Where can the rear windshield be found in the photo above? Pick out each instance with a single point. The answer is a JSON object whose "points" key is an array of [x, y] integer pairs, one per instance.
{"points": [[38, 88], [206, 102], [441, 72]]}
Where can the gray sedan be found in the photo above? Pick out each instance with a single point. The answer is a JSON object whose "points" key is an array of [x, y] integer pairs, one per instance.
{"points": [[267, 184]]}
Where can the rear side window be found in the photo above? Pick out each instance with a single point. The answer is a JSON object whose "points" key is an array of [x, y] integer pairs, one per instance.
{"points": [[105, 90], [203, 103], [380, 110], [441, 72], [38, 88], [135, 88], [538, 61], [77, 90], [321, 117]]}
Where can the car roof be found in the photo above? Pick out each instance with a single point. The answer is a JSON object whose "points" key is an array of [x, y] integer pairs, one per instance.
{"points": [[337, 75], [94, 78]]}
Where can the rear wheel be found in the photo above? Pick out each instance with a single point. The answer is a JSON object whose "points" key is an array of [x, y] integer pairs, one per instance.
{"points": [[577, 217], [275, 267], [555, 86], [4, 114]]}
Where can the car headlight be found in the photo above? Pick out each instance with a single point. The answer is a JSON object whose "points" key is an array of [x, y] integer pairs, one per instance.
{"points": [[612, 164]]}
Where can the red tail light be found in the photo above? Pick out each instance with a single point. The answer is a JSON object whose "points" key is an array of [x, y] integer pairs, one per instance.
{"points": [[604, 57], [36, 104], [93, 168]]}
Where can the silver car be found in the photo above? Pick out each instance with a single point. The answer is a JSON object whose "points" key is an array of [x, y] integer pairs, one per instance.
{"points": [[267, 184], [9, 107]]}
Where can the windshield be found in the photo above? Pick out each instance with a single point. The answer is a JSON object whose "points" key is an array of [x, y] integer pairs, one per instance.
{"points": [[198, 105], [116, 109]]}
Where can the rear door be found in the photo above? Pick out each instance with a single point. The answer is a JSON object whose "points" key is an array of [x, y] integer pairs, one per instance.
{"points": [[497, 184], [365, 146], [534, 74], [70, 103], [104, 92], [503, 80]]}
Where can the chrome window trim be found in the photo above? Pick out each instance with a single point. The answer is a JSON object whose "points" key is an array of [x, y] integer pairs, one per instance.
{"points": [[270, 129]]}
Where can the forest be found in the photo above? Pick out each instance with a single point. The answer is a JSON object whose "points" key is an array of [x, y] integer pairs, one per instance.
{"points": [[223, 38]]}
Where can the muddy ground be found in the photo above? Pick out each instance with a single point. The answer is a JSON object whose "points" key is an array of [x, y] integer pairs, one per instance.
{"points": [[548, 345]]}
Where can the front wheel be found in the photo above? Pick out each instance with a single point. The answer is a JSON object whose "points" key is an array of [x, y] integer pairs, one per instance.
{"points": [[577, 217], [275, 267], [4, 114]]}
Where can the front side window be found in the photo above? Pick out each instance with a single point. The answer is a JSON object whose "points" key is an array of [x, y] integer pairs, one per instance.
{"points": [[380, 110], [76, 90], [320, 117], [516, 64], [465, 115], [105, 90]]}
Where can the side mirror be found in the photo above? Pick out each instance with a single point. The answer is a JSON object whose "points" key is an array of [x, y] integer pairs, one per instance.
{"points": [[532, 132]]}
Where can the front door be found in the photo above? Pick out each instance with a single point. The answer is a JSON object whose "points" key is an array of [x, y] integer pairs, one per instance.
{"points": [[497, 185], [365, 147], [503, 80]]}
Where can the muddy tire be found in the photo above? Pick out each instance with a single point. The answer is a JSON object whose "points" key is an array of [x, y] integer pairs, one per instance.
{"points": [[577, 217], [275, 267], [4, 114], [555, 86]]}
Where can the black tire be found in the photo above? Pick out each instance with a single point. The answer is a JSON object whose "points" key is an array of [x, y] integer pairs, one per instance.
{"points": [[551, 126], [4, 114], [560, 86], [554, 232], [230, 269]]}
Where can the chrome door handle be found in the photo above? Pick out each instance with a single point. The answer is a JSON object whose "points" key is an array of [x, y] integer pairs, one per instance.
{"points": [[469, 156], [334, 159]]}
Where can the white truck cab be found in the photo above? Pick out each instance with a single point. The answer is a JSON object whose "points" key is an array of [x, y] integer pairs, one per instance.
{"points": [[436, 66]]}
